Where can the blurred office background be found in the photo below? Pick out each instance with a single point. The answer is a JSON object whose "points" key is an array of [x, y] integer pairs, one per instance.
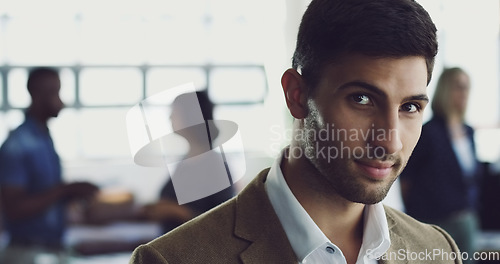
{"points": [[113, 54]]}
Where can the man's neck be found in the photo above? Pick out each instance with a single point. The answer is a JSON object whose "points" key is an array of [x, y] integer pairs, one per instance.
{"points": [[339, 219], [41, 120]]}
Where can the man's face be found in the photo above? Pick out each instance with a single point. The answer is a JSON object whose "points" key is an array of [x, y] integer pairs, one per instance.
{"points": [[47, 93], [367, 114]]}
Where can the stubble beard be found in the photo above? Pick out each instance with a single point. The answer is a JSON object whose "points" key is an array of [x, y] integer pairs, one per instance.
{"points": [[339, 173]]}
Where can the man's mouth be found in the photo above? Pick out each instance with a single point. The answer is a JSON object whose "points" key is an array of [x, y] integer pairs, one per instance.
{"points": [[376, 169]]}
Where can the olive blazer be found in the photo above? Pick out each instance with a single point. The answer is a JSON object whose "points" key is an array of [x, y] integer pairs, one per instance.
{"points": [[246, 229]]}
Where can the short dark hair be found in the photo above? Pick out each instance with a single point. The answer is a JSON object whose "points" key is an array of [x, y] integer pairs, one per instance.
{"points": [[39, 72], [378, 28]]}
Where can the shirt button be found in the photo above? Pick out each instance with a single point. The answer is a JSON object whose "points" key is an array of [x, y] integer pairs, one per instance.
{"points": [[330, 250]]}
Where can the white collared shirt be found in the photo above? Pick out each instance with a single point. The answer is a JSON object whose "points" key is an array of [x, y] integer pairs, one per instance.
{"points": [[308, 241]]}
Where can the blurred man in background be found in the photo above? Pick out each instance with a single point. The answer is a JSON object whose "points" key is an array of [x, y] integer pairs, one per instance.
{"points": [[167, 210], [31, 187]]}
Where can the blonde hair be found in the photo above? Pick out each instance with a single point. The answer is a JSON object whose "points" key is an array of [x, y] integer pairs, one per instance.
{"points": [[441, 106]]}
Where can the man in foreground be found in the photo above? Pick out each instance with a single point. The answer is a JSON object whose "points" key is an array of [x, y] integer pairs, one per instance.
{"points": [[357, 92]]}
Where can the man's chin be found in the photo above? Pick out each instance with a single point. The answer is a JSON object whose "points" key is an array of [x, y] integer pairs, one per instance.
{"points": [[371, 194], [369, 199]]}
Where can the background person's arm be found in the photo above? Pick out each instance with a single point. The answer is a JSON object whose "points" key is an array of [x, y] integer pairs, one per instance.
{"points": [[18, 204]]}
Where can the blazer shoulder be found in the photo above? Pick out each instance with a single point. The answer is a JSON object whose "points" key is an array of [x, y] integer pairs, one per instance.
{"points": [[199, 240], [147, 254], [417, 236], [243, 229], [402, 222]]}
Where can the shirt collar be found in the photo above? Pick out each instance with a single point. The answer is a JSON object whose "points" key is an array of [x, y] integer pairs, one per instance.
{"points": [[35, 126], [303, 233]]}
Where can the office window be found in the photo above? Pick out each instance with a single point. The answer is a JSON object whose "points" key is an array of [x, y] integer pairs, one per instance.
{"points": [[66, 131], [13, 118], [160, 79], [104, 86], [2, 43], [18, 92], [104, 132], [68, 86], [19, 96], [1, 90], [3, 129], [93, 133], [245, 116], [112, 55], [9, 120], [237, 85]]}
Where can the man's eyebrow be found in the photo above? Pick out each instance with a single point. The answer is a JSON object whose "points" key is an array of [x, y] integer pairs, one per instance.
{"points": [[365, 85], [419, 97], [374, 89]]}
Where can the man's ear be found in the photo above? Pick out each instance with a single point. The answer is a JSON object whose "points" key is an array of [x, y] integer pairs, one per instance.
{"points": [[295, 92]]}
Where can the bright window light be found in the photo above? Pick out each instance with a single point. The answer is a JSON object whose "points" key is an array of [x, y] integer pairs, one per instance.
{"points": [[18, 91], [243, 85], [161, 79], [68, 88], [104, 86]]}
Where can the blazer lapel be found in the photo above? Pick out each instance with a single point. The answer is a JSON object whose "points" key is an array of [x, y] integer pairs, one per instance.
{"points": [[256, 222], [398, 246]]}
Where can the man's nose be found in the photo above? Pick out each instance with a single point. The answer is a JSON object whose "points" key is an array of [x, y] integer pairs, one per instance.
{"points": [[386, 134]]}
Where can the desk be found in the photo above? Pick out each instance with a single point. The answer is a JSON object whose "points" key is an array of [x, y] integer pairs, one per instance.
{"points": [[116, 258], [111, 243]]}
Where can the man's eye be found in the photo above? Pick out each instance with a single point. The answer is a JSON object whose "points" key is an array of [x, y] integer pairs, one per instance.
{"points": [[361, 99], [411, 108]]}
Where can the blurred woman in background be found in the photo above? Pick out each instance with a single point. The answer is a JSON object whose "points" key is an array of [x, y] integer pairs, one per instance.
{"points": [[440, 182]]}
